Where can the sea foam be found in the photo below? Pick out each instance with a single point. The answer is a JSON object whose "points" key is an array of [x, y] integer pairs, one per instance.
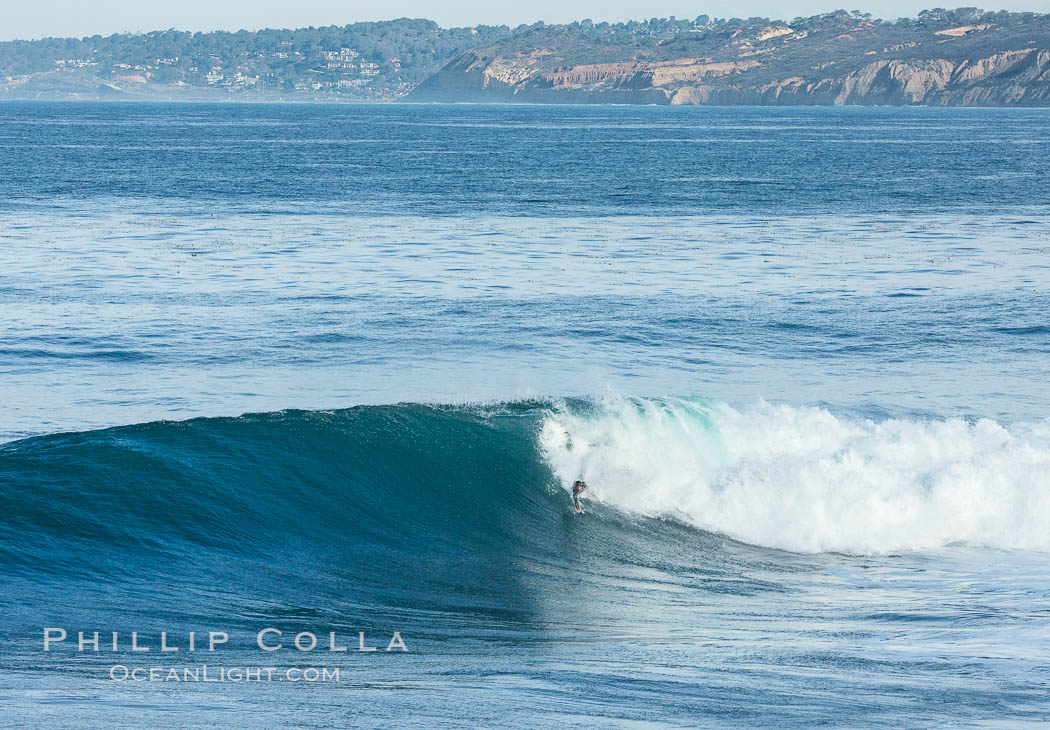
{"points": [[807, 480]]}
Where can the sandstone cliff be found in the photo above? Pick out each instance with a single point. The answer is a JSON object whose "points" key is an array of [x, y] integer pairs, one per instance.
{"points": [[843, 59]]}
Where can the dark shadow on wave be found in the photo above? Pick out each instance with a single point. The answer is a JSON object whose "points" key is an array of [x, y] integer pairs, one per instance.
{"points": [[440, 521]]}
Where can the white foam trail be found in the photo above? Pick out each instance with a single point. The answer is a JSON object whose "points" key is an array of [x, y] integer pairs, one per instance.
{"points": [[805, 480]]}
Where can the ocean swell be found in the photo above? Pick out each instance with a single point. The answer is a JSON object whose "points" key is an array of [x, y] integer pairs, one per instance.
{"points": [[470, 488]]}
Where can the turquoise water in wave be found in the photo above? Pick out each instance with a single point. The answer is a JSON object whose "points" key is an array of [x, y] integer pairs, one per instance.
{"points": [[334, 369]]}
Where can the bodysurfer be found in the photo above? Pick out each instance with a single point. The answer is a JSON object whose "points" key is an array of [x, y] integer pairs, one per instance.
{"points": [[577, 487]]}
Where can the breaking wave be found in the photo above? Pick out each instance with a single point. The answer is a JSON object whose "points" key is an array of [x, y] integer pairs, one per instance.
{"points": [[807, 480], [443, 494]]}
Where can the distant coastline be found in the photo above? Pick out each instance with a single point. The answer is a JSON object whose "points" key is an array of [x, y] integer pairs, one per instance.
{"points": [[963, 57]]}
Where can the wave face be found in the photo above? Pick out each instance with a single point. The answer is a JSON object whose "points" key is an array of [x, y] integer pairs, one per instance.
{"points": [[805, 480], [468, 485], [410, 483]]}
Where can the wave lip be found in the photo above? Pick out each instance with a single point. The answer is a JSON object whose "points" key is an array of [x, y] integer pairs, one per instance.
{"points": [[806, 480]]}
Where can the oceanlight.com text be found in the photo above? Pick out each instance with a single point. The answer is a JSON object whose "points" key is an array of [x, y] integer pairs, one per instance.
{"points": [[207, 673]]}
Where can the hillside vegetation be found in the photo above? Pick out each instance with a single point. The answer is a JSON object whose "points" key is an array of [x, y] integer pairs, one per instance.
{"points": [[363, 60], [964, 56], [957, 57]]}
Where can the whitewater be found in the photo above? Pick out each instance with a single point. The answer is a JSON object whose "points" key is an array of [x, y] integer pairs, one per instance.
{"points": [[801, 478]]}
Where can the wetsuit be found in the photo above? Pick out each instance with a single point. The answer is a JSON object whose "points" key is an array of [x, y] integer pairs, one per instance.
{"points": [[576, 489]]}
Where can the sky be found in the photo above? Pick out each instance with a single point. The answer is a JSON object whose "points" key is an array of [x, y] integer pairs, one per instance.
{"points": [[42, 18]]}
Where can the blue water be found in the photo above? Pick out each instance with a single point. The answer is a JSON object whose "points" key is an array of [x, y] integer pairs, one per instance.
{"points": [[334, 369]]}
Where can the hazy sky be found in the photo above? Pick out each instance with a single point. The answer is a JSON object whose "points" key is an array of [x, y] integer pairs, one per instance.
{"points": [[40, 18]]}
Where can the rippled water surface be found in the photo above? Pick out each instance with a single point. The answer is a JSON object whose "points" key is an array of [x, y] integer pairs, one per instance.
{"points": [[801, 356]]}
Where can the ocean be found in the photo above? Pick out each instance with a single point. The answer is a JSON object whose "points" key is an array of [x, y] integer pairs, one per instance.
{"points": [[296, 382]]}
